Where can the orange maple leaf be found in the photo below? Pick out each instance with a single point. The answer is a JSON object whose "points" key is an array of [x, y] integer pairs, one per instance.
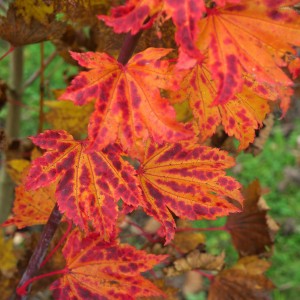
{"points": [[188, 180], [99, 270], [32, 207], [240, 116], [128, 101], [248, 37]]}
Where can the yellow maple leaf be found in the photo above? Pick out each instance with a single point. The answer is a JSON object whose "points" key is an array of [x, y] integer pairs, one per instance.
{"points": [[8, 260], [34, 9], [16, 168], [67, 116]]}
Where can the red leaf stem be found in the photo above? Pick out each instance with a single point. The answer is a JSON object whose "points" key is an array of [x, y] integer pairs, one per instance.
{"points": [[11, 49], [22, 289]]}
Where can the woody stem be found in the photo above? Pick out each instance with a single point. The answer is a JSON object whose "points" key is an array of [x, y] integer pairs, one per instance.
{"points": [[41, 249]]}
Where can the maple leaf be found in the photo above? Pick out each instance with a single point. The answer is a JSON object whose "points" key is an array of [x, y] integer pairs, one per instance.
{"points": [[252, 230], [32, 208], [98, 270], [128, 101], [188, 180], [240, 117], [248, 37], [243, 281], [89, 184]]}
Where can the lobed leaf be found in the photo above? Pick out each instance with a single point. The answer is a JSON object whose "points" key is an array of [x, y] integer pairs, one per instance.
{"points": [[89, 184], [240, 116], [248, 37], [128, 102], [188, 180], [99, 270]]}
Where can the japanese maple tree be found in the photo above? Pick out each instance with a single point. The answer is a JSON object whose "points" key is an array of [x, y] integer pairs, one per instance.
{"points": [[223, 62]]}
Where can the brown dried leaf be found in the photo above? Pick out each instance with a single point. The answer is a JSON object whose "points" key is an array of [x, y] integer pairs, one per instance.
{"points": [[196, 260], [250, 230], [244, 281], [17, 32], [187, 241]]}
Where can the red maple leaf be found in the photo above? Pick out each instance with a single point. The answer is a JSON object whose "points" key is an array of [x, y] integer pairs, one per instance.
{"points": [[90, 183], [99, 270], [128, 101], [188, 180]]}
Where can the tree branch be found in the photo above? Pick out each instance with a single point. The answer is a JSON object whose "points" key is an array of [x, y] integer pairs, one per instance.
{"points": [[41, 249]]}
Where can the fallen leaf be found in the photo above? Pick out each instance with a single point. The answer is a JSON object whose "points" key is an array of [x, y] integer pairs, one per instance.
{"points": [[249, 229], [196, 260], [244, 281]]}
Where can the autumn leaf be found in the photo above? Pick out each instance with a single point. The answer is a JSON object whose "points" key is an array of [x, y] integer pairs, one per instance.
{"points": [[17, 32], [131, 16], [34, 9], [250, 230], [186, 241], [243, 281], [16, 168], [69, 117], [82, 12], [89, 184], [32, 207], [294, 67], [240, 116], [8, 267], [98, 270], [196, 260], [188, 180], [8, 260], [248, 37], [128, 102]]}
